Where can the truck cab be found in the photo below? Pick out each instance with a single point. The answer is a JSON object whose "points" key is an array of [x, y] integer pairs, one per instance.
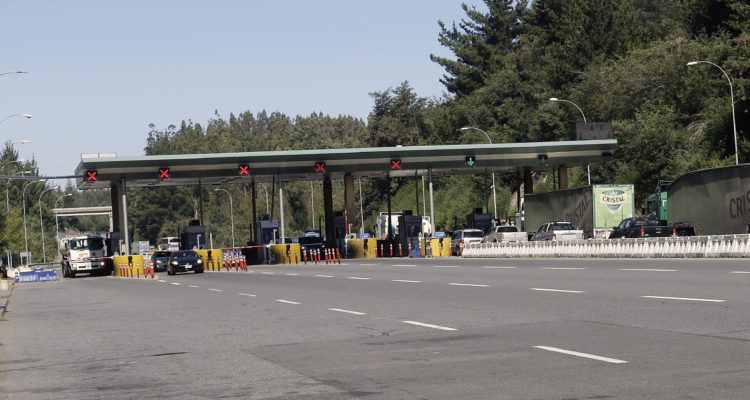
{"points": [[84, 254]]}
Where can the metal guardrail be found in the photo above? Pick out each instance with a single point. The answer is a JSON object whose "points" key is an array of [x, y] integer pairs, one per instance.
{"points": [[716, 246]]}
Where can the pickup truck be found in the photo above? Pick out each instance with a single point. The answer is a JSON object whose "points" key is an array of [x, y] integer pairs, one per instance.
{"points": [[649, 227], [558, 230], [504, 233]]}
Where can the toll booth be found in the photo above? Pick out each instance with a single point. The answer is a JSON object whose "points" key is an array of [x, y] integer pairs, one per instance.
{"points": [[339, 229], [266, 231], [194, 236], [409, 231], [479, 220]]}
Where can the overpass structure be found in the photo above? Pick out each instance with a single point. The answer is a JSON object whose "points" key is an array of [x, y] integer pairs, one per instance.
{"points": [[108, 170]]}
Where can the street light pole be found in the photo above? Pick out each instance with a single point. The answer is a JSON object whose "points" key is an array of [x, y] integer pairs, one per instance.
{"points": [[268, 209], [231, 211], [57, 224], [25, 231], [7, 186], [13, 72], [731, 97], [312, 205], [41, 221], [494, 195], [588, 166], [15, 115]]}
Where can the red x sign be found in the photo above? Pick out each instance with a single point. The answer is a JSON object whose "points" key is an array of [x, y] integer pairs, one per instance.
{"points": [[395, 164], [163, 173], [244, 169], [320, 167], [90, 176]]}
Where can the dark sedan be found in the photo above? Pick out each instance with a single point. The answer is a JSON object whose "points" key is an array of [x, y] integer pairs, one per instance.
{"points": [[184, 261], [160, 260]]}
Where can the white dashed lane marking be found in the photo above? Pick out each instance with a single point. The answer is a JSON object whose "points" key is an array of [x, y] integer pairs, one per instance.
{"points": [[741, 272], [324, 276], [584, 355], [556, 290], [447, 266], [648, 269], [291, 274], [468, 284], [246, 294], [176, 283], [683, 298], [358, 278], [162, 281], [287, 301], [564, 268], [442, 328], [268, 273], [491, 267], [404, 265], [368, 265], [405, 281], [347, 311], [193, 286], [215, 290]]}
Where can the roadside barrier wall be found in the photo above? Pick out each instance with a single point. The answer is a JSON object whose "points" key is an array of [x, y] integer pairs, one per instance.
{"points": [[363, 248], [715, 246], [286, 253], [212, 259], [440, 247]]}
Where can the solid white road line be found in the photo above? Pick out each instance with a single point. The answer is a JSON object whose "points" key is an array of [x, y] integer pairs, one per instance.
{"points": [[286, 301], [246, 294], [564, 268], [584, 355], [268, 273], [405, 281], [347, 311], [740, 272], [216, 290], [357, 277], [176, 283], [194, 286], [684, 298], [490, 267], [468, 284], [648, 269], [404, 265], [557, 290], [442, 328], [324, 276], [291, 274]]}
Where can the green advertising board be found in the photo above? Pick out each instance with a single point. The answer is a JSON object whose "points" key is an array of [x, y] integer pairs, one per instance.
{"points": [[612, 204]]}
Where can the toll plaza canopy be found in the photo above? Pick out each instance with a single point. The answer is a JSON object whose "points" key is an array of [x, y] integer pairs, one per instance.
{"points": [[107, 170]]}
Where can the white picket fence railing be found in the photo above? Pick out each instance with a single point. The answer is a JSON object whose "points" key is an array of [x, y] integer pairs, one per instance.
{"points": [[716, 246]]}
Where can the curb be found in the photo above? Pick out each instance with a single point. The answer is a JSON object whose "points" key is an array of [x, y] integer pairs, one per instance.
{"points": [[4, 307]]}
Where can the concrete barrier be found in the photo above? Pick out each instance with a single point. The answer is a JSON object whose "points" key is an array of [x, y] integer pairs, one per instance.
{"points": [[716, 246]]}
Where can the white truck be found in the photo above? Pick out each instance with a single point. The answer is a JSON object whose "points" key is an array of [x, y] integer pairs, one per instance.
{"points": [[558, 230], [504, 233], [381, 229], [84, 254]]}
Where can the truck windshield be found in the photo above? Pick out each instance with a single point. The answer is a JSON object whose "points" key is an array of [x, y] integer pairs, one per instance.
{"points": [[87, 244]]}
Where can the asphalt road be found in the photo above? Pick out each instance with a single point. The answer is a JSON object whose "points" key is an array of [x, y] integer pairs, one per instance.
{"points": [[389, 329]]}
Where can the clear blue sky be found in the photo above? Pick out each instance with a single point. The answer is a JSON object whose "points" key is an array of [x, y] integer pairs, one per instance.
{"points": [[101, 71]]}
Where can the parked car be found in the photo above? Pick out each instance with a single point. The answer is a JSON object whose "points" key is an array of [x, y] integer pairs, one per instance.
{"points": [[649, 226], [160, 260], [558, 230], [184, 261], [462, 237], [504, 233]]}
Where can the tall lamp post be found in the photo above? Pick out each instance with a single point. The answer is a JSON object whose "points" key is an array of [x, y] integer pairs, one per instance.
{"points": [[23, 203], [268, 209], [231, 211], [731, 97], [41, 221], [588, 166], [13, 72], [15, 115], [7, 186], [57, 224], [494, 195]]}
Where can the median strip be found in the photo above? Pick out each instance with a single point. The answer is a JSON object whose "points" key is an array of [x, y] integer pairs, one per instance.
{"points": [[347, 311], [683, 298], [442, 328], [287, 301], [584, 355], [557, 290]]}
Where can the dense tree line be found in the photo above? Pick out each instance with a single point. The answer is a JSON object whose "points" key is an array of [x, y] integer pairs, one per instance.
{"points": [[620, 61]]}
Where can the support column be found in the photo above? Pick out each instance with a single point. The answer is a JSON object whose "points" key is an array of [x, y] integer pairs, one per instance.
{"points": [[328, 211], [115, 225], [253, 235], [349, 199], [122, 215], [388, 200], [281, 210], [432, 205], [528, 181], [562, 176]]}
